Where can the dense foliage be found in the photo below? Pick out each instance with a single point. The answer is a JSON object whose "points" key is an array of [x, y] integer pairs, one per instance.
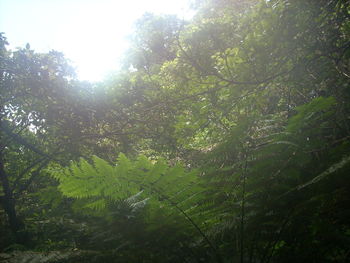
{"points": [[223, 139]]}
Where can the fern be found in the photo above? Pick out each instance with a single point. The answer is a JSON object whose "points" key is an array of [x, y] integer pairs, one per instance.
{"points": [[308, 113], [48, 257], [154, 182], [100, 181], [335, 167]]}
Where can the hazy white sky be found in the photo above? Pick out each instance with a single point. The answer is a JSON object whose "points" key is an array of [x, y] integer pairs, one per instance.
{"points": [[91, 33]]}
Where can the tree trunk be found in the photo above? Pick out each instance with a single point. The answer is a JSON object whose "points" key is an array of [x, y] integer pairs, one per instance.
{"points": [[8, 202]]}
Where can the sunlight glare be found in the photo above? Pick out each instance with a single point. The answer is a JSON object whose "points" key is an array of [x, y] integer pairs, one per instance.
{"points": [[95, 37]]}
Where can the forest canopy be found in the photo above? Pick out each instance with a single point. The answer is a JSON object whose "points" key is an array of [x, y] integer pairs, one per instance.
{"points": [[225, 138]]}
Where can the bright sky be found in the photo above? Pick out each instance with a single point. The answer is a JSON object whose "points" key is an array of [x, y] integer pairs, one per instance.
{"points": [[91, 33]]}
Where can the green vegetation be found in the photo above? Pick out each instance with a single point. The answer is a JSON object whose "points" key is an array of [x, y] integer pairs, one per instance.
{"points": [[222, 139]]}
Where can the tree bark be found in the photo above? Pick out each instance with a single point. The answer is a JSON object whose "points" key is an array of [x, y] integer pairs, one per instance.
{"points": [[8, 201]]}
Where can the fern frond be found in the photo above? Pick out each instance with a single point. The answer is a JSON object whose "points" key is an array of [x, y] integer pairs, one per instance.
{"points": [[335, 167], [127, 180]]}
